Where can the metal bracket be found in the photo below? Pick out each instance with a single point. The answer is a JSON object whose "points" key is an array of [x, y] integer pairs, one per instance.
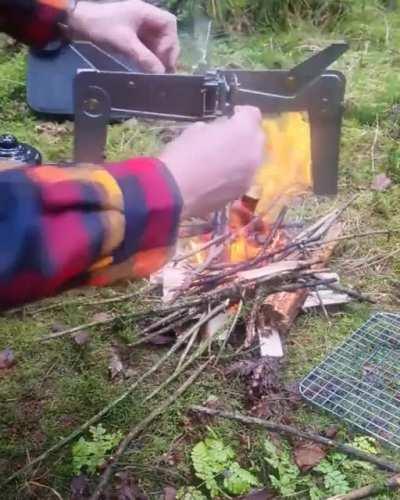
{"points": [[307, 87]]}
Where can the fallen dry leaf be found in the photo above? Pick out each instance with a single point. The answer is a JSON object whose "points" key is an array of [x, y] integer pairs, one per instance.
{"points": [[81, 338], [331, 432], [308, 455], [381, 183], [7, 359], [169, 493]]}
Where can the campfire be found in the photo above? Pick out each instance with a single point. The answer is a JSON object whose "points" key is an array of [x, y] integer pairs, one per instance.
{"points": [[248, 271]]}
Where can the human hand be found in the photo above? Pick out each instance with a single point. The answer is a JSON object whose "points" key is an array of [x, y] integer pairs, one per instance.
{"points": [[215, 163], [144, 33]]}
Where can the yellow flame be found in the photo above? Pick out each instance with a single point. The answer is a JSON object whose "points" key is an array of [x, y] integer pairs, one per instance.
{"points": [[241, 249], [287, 172]]}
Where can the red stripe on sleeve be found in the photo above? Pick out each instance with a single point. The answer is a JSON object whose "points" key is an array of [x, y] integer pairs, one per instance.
{"points": [[163, 199]]}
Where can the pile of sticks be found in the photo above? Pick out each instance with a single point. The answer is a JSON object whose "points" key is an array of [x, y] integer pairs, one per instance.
{"points": [[272, 286]]}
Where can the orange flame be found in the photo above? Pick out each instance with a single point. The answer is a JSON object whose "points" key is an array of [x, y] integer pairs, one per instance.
{"points": [[287, 171], [286, 174]]}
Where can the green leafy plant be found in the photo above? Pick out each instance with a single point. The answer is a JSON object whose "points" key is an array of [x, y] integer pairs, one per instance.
{"points": [[285, 476], [88, 455], [366, 444], [328, 478], [190, 493], [214, 464], [335, 481]]}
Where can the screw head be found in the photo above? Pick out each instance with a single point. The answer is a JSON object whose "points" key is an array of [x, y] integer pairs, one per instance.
{"points": [[91, 104]]}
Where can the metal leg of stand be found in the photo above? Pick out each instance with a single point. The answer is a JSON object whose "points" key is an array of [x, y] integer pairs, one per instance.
{"points": [[92, 115]]}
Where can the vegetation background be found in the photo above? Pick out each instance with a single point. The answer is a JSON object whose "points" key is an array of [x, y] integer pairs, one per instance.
{"points": [[54, 387]]}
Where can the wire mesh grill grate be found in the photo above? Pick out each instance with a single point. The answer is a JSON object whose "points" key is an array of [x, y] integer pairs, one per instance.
{"points": [[360, 381]]}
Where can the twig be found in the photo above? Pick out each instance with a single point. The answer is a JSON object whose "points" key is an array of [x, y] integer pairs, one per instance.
{"points": [[373, 146], [206, 318], [189, 345], [236, 291], [388, 232], [322, 305], [203, 346], [92, 324], [93, 420], [39, 485], [251, 327], [107, 321], [220, 239], [206, 246], [182, 321], [310, 236], [80, 302], [311, 436], [135, 431], [215, 253], [377, 259], [275, 228], [161, 322], [196, 355], [319, 228], [230, 331], [369, 491], [351, 293]]}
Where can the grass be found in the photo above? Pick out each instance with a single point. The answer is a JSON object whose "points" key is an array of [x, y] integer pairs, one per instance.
{"points": [[56, 386]]}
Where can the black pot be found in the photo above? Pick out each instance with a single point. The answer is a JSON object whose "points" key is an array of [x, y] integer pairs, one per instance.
{"points": [[17, 153]]}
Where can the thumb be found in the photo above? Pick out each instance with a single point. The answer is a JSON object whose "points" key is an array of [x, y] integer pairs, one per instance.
{"points": [[144, 57]]}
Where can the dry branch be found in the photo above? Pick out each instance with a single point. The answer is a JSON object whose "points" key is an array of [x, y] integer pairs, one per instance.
{"points": [[351, 293], [92, 324], [135, 431], [201, 349], [310, 436], [369, 491], [121, 317], [230, 331], [96, 418], [283, 308], [188, 315]]}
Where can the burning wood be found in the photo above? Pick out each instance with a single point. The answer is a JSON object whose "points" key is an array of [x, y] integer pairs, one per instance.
{"points": [[266, 267], [281, 309]]}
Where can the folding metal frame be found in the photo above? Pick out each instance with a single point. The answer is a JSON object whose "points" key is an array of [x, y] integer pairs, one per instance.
{"points": [[309, 88]]}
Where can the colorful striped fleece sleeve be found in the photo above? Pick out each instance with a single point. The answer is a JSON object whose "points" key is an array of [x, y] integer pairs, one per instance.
{"points": [[32, 21], [83, 225]]}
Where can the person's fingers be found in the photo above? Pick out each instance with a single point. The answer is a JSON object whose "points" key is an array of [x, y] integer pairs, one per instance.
{"points": [[248, 112], [173, 57], [144, 57], [160, 33], [167, 47], [168, 51]]}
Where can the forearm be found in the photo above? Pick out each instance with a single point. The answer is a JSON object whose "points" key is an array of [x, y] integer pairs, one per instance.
{"points": [[64, 227]]}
